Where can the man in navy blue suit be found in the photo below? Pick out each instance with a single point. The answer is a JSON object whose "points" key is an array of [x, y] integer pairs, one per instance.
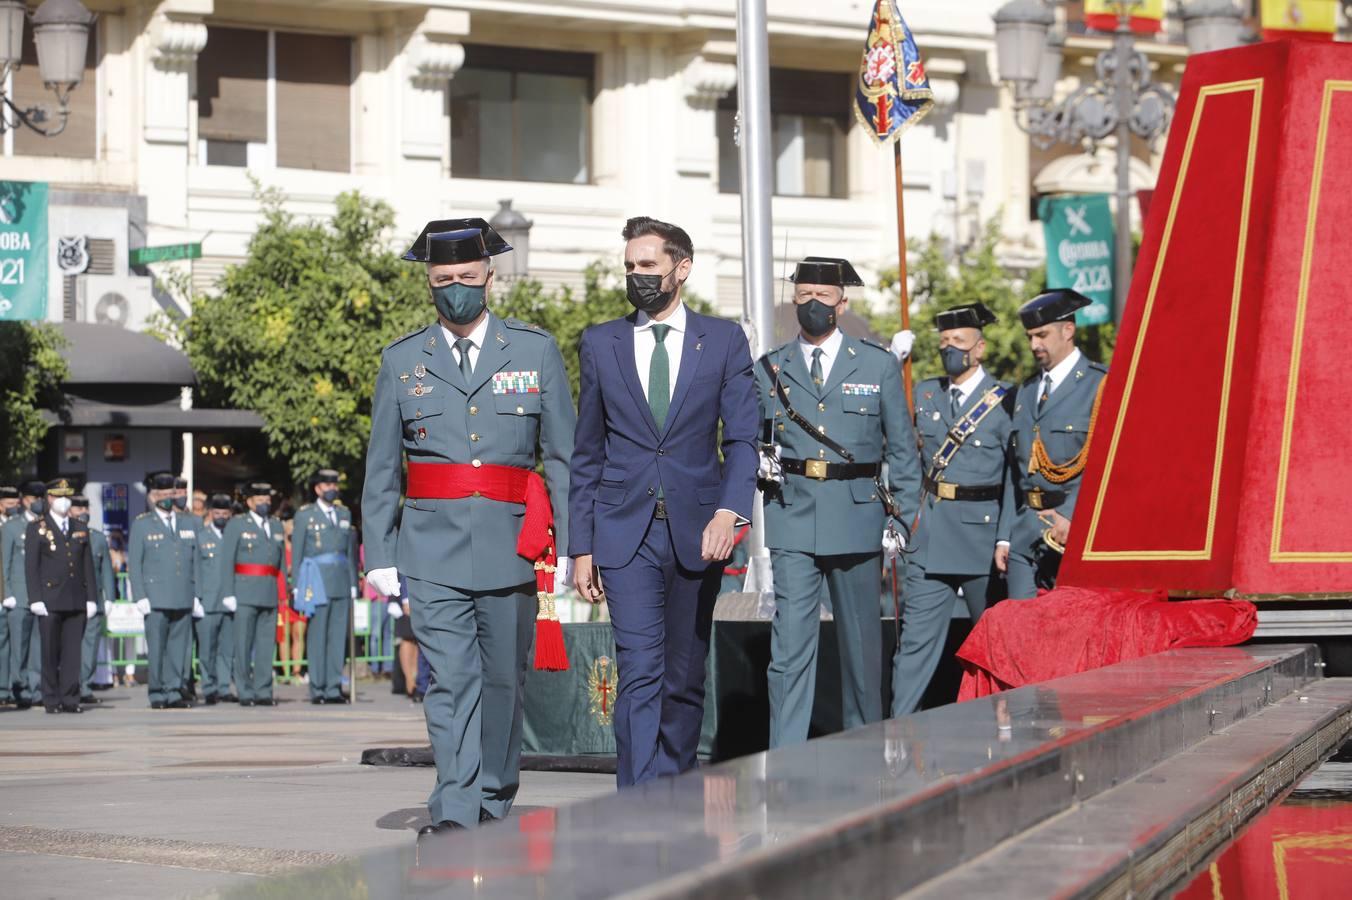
{"points": [[652, 514]]}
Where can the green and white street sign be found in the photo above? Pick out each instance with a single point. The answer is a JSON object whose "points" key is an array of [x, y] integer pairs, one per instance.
{"points": [[1080, 251], [23, 250], [145, 255]]}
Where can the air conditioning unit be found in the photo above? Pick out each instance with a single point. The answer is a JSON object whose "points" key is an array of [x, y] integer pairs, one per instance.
{"points": [[122, 300]]}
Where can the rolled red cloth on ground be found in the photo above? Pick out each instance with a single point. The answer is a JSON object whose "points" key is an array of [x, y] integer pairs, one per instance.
{"points": [[1071, 630]]}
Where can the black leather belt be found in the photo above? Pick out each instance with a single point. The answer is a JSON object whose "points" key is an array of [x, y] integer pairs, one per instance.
{"points": [[1040, 499], [822, 470], [944, 490], [661, 511]]}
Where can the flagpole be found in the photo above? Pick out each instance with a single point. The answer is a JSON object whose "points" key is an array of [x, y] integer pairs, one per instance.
{"points": [[905, 300]]}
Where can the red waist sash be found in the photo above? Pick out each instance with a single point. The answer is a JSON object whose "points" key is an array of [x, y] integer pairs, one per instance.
{"points": [[258, 569]]}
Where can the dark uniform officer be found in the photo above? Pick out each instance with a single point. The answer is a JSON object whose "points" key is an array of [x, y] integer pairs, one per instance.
{"points": [[9, 508], [216, 628], [107, 593], [254, 553], [824, 525], [25, 652], [964, 423], [458, 406], [161, 551], [59, 568], [324, 573], [1053, 420]]}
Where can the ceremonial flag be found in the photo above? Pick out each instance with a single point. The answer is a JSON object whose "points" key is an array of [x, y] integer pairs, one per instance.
{"points": [[1313, 20], [893, 91], [1146, 15]]}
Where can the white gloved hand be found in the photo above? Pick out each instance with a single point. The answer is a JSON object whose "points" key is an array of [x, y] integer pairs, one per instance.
{"points": [[198, 611], [91, 608], [902, 342], [354, 592], [891, 545], [770, 467], [563, 573], [9, 603], [107, 607], [230, 603], [143, 606], [385, 581], [38, 609], [395, 609]]}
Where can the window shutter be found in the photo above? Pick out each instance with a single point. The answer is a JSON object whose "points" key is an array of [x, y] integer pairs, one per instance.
{"points": [[232, 86], [314, 114]]}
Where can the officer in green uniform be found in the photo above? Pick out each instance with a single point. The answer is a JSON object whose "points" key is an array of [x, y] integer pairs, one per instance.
{"points": [[324, 572], [963, 419], [216, 628], [181, 510], [25, 651], [477, 391], [1053, 420], [255, 554], [9, 507], [161, 555], [106, 589], [822, 393]]}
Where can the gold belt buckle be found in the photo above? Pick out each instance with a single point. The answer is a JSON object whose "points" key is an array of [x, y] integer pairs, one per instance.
{"points": [[815, 468], [1034, 498], [946, 491]]}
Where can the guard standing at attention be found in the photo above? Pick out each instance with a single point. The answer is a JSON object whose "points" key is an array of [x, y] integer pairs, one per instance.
{"points": [[468, 400], [963, 419], [255, 554], [25, 654], [161, 552], [324, 573], [106, 589], [59, 569], [9, 507], [182, 511], [216, 628], [1053, 425], [833, 409]]}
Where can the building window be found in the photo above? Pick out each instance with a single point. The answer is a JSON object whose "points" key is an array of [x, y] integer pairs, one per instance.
{"points": [[522, 115], [25, 89], [275, 98], [810, 118]]}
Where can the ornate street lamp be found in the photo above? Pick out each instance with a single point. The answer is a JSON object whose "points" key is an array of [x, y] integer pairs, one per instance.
{"points": [[1123, 101], [515, 230], [61, 32]]}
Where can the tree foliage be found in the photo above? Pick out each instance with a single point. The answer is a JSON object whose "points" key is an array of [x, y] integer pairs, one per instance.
{"points": [[31, 372], [939, 281]]}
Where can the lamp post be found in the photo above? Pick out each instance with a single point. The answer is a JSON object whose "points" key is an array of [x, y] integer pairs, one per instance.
{"points": [[61, 32], [515, 230], [1122, 102]]}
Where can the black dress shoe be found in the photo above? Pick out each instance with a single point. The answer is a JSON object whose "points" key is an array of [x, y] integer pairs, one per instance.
{"points": [[416, 697], [23, 704], [228, 698], [180, 704], [268, 702], [246, 703], [440, 828], [157, 704], [89, 698], [318, 701], [72, 708], [211, 700], [53, 709], [486, 816]]}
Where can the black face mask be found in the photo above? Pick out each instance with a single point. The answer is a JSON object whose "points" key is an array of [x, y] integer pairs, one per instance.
{"points": [[956, 360], [38, 508], [165, 503], [329, 496], [815, 318], [82, 518], [180, 502], [263, 509], [646, 294], [220, 522]]}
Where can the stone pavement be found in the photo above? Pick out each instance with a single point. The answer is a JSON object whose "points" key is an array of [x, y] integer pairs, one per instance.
{"points": [[125, 801]]}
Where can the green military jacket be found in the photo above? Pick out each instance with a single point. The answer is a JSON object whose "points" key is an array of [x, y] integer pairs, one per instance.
{"points": [[104, 578], [13, 536], [161, 561], [516, 408], [313, 534], [211, 563], [246, 543], [862, 405]]}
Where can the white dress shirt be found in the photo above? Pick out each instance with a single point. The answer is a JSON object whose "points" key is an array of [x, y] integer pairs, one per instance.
{"points": [[476, 338], [968, 387], [261, 522], [166, 517], [645, 343], [830, 349], [1061, 371], [61, 523], [327, 510]]}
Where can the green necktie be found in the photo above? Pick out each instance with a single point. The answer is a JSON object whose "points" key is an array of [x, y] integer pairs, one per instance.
{"points": [[659, 377], [816, 373], [462, 347]]}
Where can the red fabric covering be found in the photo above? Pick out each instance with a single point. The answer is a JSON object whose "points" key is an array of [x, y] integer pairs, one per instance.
{"points": [[1071, 630]]}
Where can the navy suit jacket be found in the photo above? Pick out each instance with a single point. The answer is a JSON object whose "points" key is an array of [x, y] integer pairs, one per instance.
{"points": [[621, 459]]}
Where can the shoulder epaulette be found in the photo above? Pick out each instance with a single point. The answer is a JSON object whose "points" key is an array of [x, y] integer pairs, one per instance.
{"points": [[404, 337], [869, 342], [1098, 366], [518, 325], [143, 515]]}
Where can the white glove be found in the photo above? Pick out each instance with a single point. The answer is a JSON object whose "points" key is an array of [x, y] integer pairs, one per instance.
{"points": [[770, 467], [91, 608], [230, 603], [198, 611], [38, 609], [354, 592], [563, 573], [143, 606], [891, 545], [107, 607], [385, 581], [9, 603], [395, 609], [902, 342]]}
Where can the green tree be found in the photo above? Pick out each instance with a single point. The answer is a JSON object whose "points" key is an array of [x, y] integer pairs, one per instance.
{"points": [[940, 281], [31, 372]]}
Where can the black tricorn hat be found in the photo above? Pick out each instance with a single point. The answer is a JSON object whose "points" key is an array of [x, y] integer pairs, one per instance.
{"points": [[219, 501], [80, 500], [181, 483], [968, 315], [323, 475], [1054, 306], [456, 241], [8, 492], [33, 489], [257, 489], [160, 481], [826, 270]]}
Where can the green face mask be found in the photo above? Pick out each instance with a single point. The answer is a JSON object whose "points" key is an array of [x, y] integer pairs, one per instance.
{"points": [[459, 303]]}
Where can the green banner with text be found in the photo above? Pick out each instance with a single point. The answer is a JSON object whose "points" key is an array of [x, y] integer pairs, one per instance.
{"points": [[1080, 251], [23, 250]]}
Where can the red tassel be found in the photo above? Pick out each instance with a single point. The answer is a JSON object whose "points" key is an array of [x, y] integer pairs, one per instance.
{"points": [[550, 654]]}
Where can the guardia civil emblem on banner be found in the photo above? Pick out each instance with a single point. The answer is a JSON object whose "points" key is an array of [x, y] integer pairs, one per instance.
{"points": [[602, 684], [893, 91]]}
